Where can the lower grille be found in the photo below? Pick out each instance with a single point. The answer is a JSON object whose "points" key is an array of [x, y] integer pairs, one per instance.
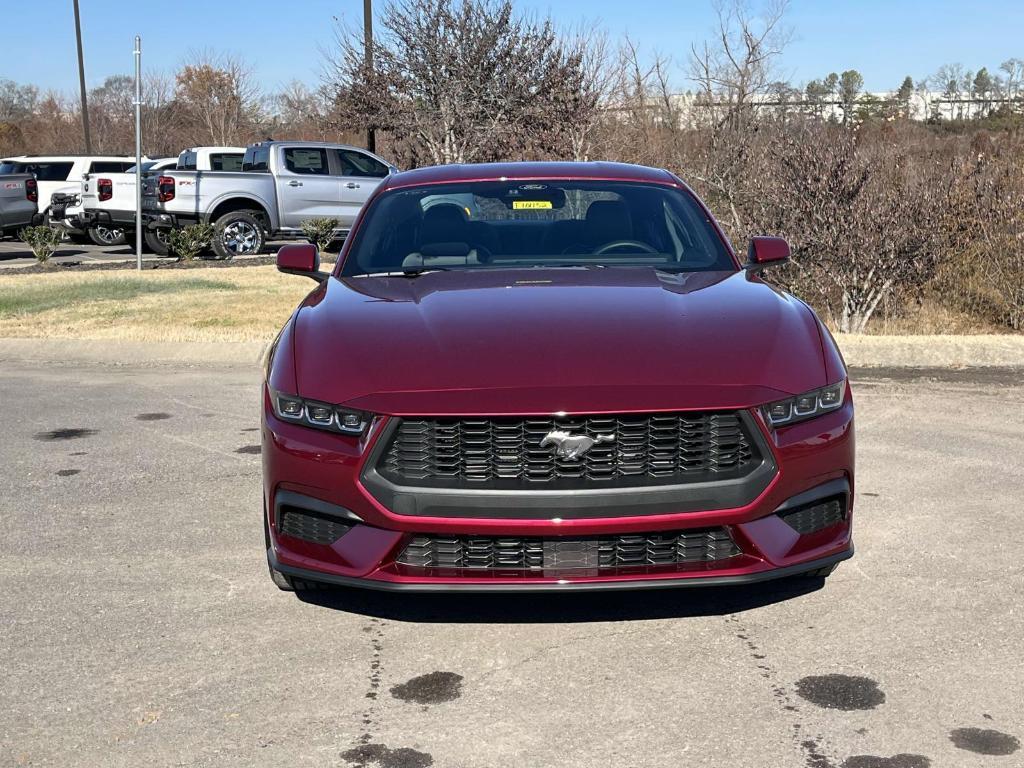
{"points": [[816, 516], [703, 545], [309, 526]]}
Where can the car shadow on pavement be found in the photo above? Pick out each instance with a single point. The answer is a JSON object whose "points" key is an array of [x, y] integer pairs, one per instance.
{"points": [[566, 607]]}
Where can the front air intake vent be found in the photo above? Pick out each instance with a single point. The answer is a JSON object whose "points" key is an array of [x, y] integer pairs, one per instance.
{"points": [[817, 516], [310, 526]]}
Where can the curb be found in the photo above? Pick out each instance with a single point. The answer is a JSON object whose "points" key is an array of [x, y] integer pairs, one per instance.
{"points": [[859, 351], [117, 352]]}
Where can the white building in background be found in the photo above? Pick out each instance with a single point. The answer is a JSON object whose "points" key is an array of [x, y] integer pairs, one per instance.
{"points": [[921, 105]]}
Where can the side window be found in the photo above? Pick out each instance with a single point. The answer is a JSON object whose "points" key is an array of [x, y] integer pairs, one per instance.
{"points": [[110, 166], [358, 164], [304, 160], [50, 171], [225, 161], [256, 159]]}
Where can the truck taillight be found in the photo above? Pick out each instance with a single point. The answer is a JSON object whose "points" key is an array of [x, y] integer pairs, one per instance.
{"points": [[32, 190], [165, 189], [105, 189]]}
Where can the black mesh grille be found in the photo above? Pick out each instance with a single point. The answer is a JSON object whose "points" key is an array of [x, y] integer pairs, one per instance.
{"points": [[309, 526], [628, 450], [816, 516], [644, 549]]}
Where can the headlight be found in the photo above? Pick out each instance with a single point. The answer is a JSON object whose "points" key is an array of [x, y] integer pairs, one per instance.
{"points": [[805, 406], [312, 413]]}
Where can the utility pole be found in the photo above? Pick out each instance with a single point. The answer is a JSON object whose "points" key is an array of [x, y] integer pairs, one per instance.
{"points": [[138, 151], [371, 138], [81, 81]]}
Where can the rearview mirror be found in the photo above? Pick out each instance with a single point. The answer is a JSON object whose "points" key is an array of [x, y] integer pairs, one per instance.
{"points": [[301, 259], [765, 252]]}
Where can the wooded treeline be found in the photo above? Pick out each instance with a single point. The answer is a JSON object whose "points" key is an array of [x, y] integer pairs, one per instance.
{"points": [[920, 223]]}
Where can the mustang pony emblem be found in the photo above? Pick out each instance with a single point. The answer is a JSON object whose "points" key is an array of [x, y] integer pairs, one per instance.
{"points": [[569, 446]]}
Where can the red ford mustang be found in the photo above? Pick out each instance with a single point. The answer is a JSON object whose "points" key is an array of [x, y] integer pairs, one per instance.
{"points": [[551, 376]]}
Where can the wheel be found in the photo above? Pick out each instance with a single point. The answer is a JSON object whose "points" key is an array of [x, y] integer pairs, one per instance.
{"points": [[156, 241], [238, 233], [106, 236]]}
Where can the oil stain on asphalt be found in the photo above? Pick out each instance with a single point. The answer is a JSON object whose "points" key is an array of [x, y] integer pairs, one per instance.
{"points": [[433, 688], [66, 434], [985, 741], [896, 761], [843, 692], [67, 472], [153, 416], [249, 449], [383, 757]]}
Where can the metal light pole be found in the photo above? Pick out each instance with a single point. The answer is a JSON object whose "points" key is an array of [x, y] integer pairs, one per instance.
{"points": [[371, 138], [138, 151], [81, 81]]}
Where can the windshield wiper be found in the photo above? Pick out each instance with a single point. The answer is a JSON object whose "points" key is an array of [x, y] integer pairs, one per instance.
{"points": [[411, 272]]}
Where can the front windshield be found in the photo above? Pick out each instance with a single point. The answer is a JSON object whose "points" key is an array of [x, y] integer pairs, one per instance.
{"points": [[510, 224]]}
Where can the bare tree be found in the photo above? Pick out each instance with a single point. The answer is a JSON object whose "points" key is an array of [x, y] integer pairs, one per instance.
{"points": [[217, 100], [738, 65], [466, 79]]}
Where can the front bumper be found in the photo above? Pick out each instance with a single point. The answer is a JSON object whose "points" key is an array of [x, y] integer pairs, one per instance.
{"points": [[813, 459]]}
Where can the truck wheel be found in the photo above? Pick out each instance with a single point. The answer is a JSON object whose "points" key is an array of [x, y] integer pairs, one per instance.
{"points": [[106, 236], [239, 233], [156, 241]]}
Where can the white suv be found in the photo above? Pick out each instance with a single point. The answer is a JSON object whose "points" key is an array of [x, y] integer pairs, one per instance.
{"points": [[55, 173]]}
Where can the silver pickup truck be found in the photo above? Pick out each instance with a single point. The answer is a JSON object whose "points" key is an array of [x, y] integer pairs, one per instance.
{"points": [[281, 184], [19, 201], [104, 205]]}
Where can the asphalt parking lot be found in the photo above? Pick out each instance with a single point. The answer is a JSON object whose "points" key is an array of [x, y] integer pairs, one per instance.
{"points": [[139, 626], [14, 253]]}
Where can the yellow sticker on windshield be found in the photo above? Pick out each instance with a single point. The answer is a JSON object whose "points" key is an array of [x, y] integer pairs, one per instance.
{"points": [[531, 205]]}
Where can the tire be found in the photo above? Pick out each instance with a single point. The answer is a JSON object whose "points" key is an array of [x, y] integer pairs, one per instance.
{"points": [[239, 233], [156, 241], [291, 584], [284, 582], [821, 573], [106, 236]]}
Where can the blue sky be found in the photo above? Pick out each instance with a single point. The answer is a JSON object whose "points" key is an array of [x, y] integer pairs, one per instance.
{"points": [[884, 39]]}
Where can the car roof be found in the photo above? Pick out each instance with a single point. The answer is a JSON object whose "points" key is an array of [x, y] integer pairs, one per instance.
{"points": [[63, 158], [604, 171], [300, 143]]}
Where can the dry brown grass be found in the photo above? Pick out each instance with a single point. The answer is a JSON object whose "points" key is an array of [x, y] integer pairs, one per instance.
{"points": [[245, 304]]}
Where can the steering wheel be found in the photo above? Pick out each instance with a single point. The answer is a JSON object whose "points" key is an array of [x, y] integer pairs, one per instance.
{"points": [[616, 244]]}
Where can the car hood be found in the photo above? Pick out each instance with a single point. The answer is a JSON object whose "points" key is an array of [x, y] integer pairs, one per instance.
{"points": [[541, 341]]}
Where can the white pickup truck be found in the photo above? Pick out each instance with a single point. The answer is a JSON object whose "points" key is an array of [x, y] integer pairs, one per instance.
{"points": [[19, 195], [281, 184], [104, 206]]}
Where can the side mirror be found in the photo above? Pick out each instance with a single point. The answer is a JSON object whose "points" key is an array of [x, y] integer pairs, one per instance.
{"points": [[765, 252], [301, 259]]}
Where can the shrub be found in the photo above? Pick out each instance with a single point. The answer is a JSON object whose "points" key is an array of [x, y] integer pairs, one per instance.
{"points": [[320, 232], [44, 241], [188, 242]]}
